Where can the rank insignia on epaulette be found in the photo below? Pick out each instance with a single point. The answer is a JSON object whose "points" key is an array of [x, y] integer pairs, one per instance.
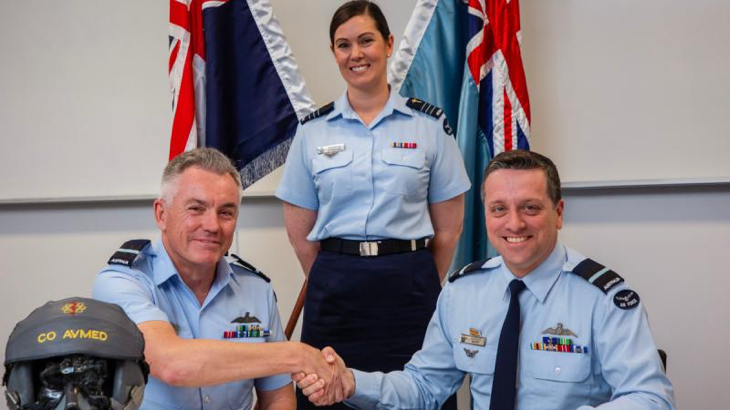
{"points": [[242, 263], [470, 268], [128, 252], [324, 110], [597, 274], [424, 107]]}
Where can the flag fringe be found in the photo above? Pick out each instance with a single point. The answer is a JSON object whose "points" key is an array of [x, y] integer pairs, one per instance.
{"points": [[264, 163]]}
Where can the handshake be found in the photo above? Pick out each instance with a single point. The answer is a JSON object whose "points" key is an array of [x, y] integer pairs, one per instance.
{"points": [[327, 384]]}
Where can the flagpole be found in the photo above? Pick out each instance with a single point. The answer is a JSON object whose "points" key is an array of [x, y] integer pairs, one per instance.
{"points": [[294, 317]]}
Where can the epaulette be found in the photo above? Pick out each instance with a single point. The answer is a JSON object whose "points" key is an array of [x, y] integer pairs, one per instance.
{"points": [[425, 107], [597, 274], [324, 110], [242, 263], [468, 269], [128, 252]]}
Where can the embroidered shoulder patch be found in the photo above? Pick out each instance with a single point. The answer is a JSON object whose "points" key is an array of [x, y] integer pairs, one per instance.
{"points": [[468, 269], [324, 110], [597, 274], [626, 299], [128, 252], [242, 263], [424, 107]]}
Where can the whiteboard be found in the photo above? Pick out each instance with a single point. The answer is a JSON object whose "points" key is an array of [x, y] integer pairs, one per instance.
{"points": [[620, 90]]}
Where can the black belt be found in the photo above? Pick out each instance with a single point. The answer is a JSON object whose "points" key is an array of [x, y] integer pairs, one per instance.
{"points": [[371, 248]]}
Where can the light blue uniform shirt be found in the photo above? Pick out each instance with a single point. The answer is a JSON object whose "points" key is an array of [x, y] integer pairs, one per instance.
{"points": [[153, 290], [371, 190], [621, 370]]}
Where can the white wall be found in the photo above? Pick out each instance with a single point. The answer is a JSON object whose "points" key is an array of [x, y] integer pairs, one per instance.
{"points": [[668, 243]]}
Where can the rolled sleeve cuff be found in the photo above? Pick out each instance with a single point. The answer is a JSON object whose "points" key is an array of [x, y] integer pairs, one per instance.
{"points": [[291, 197], [434, 198], [366, 390], [141, 317]]}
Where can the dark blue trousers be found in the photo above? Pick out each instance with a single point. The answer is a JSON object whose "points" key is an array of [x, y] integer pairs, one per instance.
{"points": [[372, 310]]}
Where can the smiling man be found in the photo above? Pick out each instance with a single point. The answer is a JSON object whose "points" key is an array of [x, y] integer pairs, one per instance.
{"points": [[539, 327], [211, 326]]}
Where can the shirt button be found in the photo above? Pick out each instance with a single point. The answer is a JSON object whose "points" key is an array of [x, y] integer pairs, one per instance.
{"points": [[557, 370], [206, 399]]}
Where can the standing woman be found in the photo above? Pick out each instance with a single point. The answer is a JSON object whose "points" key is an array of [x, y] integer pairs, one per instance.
{"points": [[373, 204]]}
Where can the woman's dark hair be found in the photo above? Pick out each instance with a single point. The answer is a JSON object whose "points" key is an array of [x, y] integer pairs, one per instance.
{"points": [[356, 8]]}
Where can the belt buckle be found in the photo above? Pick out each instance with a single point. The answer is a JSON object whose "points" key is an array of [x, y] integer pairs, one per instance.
{"points": [[368, 249]]}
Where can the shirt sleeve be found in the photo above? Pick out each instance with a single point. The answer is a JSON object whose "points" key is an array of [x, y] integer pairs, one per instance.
{"points": [[277, 335], [427, 380], [297, 185], [629, 359], [448, 174], [129, 291]]}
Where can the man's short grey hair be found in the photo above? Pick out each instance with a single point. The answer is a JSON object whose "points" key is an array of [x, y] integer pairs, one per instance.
{"points": [[208, 159], [527, 160]]}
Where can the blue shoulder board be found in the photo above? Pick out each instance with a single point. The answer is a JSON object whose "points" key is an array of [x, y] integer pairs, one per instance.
{"points": [[468, 269], [128, 252], [423, 106], [600, 276], [318, 113], [242, 263]]}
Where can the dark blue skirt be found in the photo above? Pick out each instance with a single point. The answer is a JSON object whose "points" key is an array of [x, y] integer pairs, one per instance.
{"points": [[372, 310]]}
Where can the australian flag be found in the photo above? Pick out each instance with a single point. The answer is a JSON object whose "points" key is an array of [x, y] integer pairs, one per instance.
{"points": [[464, 56], [236, 86]]}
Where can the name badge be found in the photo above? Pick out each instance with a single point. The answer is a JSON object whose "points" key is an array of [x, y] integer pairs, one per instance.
{"points": [[330, 150], [473, 340]]}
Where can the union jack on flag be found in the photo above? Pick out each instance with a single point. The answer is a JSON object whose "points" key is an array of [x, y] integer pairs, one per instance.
{"points": [[235, 84], [494, 48], [187, 73]]}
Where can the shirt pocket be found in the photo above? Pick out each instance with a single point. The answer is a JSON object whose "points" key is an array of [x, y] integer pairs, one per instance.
{"points": [[475, 359], [557, 367], [333, 175], [406, 173]]}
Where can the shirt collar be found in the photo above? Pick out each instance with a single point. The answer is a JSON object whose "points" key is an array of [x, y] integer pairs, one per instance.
{"points": [[164, 269], [541, 279], [395, 103]]}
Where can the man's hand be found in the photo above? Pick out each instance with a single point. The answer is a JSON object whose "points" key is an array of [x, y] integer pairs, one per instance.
{"points": [[341, 383], [316, 365]]}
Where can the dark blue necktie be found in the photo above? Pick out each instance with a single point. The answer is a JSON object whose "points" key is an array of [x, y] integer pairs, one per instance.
{"points": [[505, 369]]}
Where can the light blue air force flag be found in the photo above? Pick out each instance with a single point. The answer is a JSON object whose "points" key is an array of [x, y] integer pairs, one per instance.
{"points": [[451, 57]]}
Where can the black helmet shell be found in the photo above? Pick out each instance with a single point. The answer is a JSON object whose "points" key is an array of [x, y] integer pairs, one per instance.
{"points": [[75, 326]]}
